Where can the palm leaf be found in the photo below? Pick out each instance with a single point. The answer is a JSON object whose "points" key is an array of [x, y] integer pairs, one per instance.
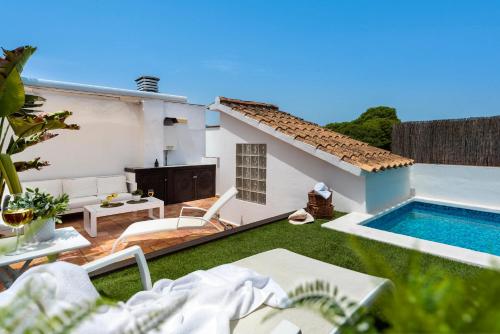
{"points": [[11, 94], [19, 145], [25, 125], [11, 85], [22, 166], [30, 102]]}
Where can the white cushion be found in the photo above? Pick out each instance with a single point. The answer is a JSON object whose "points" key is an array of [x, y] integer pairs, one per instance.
{"points": [[53, 187], [80, 187], [80, 202], [111, 184], [120, 197]]}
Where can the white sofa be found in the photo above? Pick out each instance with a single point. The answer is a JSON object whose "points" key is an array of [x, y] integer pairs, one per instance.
{"points": [[85, 190]]}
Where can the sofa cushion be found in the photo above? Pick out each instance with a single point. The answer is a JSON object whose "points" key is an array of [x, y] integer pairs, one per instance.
{"points": [[80, 187], [120, 197], [53, 187], [80, 202], [111, 184]]}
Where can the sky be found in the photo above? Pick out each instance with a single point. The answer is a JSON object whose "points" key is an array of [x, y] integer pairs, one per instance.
{"points": [[324, 61]]}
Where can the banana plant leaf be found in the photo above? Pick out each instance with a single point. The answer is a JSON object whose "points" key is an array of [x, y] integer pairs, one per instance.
{"points": [[11, 85], [22, 166], [20, 144], [19, 56], [30, 102], [9, 174], [11, 94], [25, 125]]}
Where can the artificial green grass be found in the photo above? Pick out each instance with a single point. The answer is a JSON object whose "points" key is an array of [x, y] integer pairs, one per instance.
{"points": [[310, 240]]}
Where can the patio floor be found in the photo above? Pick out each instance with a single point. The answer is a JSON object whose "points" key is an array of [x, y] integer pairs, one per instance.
{"points": [[110, 228]]}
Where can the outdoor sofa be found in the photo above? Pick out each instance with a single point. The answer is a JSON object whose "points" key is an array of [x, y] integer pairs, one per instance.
{"points": [[84, 190]]}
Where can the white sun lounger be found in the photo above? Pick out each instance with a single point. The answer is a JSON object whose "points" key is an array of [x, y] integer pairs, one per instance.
{"points": [[289, 270], [170, 224]]}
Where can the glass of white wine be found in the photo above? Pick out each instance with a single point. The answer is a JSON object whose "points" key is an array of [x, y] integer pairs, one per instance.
{"points": [[16, 218]]}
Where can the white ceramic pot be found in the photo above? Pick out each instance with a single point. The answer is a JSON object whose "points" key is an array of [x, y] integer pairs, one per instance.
{"points": [[136, 197], [40, 230]]}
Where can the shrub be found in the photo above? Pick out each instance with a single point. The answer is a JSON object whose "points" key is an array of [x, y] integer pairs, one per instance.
{"points": [[374, 126]]}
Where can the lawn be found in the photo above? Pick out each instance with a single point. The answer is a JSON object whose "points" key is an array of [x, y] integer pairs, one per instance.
{"points": [[310, 240]]}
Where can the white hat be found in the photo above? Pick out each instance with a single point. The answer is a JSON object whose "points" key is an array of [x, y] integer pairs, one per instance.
{"points": [[300, 217]]}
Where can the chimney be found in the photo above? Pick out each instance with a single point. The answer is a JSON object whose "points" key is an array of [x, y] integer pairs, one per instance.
{"points": [[147, 83]]}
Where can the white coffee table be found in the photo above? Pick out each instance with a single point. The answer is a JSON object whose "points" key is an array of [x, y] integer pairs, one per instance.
{"points": [[92, 212], [66, 239]]}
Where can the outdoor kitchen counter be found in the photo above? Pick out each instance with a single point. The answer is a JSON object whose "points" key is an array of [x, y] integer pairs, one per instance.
{"points": [[175, 183]]}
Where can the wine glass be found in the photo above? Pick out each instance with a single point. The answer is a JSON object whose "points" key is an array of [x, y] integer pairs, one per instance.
{"points": [[16, 218], [151, 192]]}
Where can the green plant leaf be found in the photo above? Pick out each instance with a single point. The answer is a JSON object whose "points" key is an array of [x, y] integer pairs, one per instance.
{"points": [[11, 86], [19, 145], [32, 101], [12, 96], [22, 166], [25, 125]]}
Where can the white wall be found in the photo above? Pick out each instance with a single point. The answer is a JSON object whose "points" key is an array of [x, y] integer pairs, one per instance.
{"points": [[212, 152], [188, 139], [212, 135], [386, 188], [291, 174], [116, 132], [153, 128], [110, 138], [467, 184]]}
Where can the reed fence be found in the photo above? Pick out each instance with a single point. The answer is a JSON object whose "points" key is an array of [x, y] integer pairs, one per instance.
{"points": [[470, 141]]}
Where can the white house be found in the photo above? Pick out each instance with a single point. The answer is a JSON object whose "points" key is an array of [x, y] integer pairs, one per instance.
{"points": [[118, 128], [274, 159]]}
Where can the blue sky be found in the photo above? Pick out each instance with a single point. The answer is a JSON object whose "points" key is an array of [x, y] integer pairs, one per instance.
{"points": [[321, 60]]}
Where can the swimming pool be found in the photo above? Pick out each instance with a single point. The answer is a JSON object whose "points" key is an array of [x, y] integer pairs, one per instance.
{"points": [[461, 227]]}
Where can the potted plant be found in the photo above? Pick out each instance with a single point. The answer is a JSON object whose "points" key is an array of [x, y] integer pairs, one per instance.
{"points": [[46, 211], [137, 194]]}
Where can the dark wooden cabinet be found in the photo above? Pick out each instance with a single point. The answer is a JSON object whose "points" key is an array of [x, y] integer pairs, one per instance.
{"points": [[176, 184], [183, 184]]}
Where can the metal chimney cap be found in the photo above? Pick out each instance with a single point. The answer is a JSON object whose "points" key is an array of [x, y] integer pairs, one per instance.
{"points": [[147, 77], [147, 83]]}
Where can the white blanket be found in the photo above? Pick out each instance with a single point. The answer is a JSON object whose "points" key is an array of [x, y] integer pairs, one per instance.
{"points": [[200, 302]]}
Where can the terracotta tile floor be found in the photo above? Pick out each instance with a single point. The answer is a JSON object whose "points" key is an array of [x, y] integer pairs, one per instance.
{"points": [[109, 228]]}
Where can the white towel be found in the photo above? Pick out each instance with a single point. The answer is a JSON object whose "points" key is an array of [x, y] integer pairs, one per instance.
{"points": [[322, 190], [200, 302]]}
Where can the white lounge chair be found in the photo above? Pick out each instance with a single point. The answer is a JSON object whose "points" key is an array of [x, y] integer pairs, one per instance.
{"points": [[170, 224], [134, 251], [290, 270]]}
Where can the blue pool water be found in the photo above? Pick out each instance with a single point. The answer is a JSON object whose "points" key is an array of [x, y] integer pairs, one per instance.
{"points": [[476, 230]]}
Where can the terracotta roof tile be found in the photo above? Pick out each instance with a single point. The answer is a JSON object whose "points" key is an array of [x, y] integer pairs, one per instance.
{"points": [[352, 151]]}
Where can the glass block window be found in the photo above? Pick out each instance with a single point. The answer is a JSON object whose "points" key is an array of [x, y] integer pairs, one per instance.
{"points": [[251, 172]]}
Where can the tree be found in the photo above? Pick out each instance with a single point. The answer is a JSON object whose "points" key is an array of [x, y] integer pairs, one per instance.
{"points": [[374, 126]]}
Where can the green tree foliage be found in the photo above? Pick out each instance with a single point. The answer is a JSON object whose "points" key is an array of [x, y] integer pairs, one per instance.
{"points": [[374, 126]]}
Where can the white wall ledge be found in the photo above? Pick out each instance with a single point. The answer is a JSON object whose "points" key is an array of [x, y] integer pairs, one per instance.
{"points": [[100, 90]]}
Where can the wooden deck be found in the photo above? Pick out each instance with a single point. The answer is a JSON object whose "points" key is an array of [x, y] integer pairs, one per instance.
{"points": [[110, 228]]}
